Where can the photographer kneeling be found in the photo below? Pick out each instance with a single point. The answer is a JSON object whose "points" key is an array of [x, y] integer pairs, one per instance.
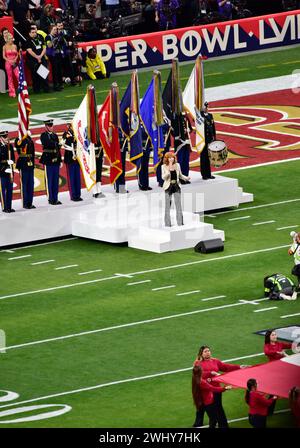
{"points": [[95, 66]]}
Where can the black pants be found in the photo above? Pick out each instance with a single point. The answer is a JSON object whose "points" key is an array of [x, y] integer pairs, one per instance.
{"points": [[99, 163], [121, 178], [38, 82], [257, 421], [56, 64], [143, 175], [215, 413], [205, 163]]}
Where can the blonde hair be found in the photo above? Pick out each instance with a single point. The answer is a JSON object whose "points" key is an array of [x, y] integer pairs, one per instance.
{"points": [[168, 156]]}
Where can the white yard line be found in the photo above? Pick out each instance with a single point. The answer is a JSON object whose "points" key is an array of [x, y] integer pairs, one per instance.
{"points": [[113, 383], [130, 324], [237, 219], [289, 315], [265, 309], [41, 262], [254, 302], [8, 251], [89, 272], [188, 292], [262, 223], [67, 267], [270, 204], [288, 227], [163, 268], [138, 283], [124, 275], [163, 287], [258, 165], [45, 244], [18, 258], [213, 298]]}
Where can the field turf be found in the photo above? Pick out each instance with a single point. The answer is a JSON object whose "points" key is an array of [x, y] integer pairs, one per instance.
{"points": [[39, 302]]}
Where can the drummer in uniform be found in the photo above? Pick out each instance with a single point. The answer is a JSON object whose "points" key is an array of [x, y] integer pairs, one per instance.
{"points": [[25, 164], [7, 159], [51, 159], [210, 136], [73, 168]]}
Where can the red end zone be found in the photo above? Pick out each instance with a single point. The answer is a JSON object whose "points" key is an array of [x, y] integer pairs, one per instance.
{"points": [[256, 129]]}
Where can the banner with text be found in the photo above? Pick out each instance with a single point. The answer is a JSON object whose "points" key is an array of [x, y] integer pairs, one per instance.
{"points": [[217, 39]]}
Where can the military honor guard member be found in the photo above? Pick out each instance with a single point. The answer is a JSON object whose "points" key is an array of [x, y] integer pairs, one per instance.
{"points": [[143, 175], [73, 168], [25, 165], [210, 136], [51, 159], [99, 161], [7, 159]]}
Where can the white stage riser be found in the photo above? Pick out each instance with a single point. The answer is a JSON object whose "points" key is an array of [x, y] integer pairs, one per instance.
{"points": [[115, 216]]}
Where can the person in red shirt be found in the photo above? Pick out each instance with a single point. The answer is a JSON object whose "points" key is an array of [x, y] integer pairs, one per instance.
{"points": [[203, 395], [258, 405], [211, 368], [273, 349], [294, 399]]}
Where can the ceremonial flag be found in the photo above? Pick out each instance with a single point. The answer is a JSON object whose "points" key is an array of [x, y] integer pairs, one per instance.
{"points": [[24, 106], [109, 121], [174, 111], [85, 131], [193, 99], [152, 117], [131, 122]]}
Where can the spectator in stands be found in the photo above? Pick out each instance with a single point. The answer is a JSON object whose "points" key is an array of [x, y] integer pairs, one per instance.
{"points": [[35, 9], [273, 349], [225, 8], [258, 404], [211, 368], [47, 18], [54, 51], [166, 14], [10, 55], [19, 11], [203, 395], [3, 7], [35, 57], [294, 399], [112, 6], [95, 66]]}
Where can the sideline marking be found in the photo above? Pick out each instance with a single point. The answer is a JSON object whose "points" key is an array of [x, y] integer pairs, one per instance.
{"points": [[258, 206], [241, 217], [112, 383], [138, 283], [67, 267], [44, 244], [89, 272], [266, 66], [41, 262], [263, 222], [289, 315], [287, 227], [163, 268], [187, 293], [18, 258], [213, 298], [130, 324], [163, 287], [265, 309], [124, 275]]}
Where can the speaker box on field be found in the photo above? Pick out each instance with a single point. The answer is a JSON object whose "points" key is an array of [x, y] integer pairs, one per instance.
{"points": [[209, 246]]}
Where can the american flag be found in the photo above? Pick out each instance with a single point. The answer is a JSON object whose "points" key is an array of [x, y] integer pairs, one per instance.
{"points": [[24, 106]]}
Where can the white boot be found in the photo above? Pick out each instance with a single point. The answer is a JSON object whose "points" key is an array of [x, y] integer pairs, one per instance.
{"points": [[97, 191]]}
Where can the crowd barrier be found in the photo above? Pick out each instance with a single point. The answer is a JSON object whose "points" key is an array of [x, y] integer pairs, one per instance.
{"points": [[214, 40]]}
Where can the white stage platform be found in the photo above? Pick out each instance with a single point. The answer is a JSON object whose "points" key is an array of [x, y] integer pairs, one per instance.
{"points": [[136, 218]]}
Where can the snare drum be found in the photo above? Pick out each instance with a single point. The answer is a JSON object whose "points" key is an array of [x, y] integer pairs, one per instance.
{"points": [[218, 153]]}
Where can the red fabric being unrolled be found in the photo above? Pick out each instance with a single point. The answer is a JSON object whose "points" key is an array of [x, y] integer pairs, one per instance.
{"points": [[275, 378]]}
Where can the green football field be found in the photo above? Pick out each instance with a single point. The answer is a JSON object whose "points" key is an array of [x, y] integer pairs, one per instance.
{"points": [[217, 72], [87, 325]]}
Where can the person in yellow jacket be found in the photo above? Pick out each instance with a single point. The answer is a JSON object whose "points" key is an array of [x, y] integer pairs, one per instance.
{"points": [[95, 66]]}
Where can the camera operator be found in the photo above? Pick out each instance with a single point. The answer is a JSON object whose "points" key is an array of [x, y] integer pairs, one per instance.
{"points": [[95, 66], [67, 49], [54, 52], [166, 14]]}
